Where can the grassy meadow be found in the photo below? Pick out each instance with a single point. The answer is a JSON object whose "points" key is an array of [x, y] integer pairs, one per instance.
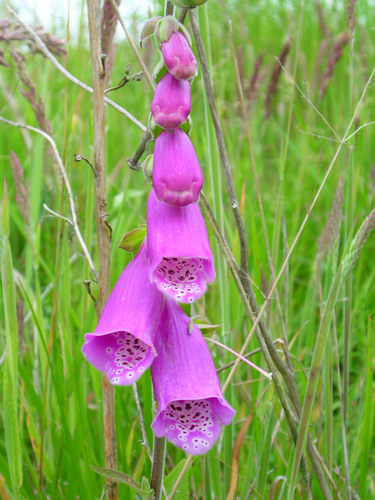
{"points": [[51, 425]]}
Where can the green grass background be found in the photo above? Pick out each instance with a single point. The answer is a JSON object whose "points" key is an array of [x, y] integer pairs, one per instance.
{"points": [[54, 401]]}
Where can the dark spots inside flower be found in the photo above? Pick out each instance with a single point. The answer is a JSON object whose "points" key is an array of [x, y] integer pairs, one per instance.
{"points": [[127, 353], [180, 278], [186, 423]]}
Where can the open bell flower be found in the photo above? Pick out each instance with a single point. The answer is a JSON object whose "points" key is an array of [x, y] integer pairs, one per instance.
{"points": [[178, 57], [172, 102], [121, 345], [181, 262], [190, 405], [177, 176]]}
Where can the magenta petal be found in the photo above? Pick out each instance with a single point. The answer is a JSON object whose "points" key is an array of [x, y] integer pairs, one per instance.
{"points": [[181, 261], [190, 405], [177, 176], [121, 345], [178, 57], [172, 102]]}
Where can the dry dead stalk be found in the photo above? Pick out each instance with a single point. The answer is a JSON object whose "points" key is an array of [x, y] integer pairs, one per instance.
{"points": [[103, 235]]}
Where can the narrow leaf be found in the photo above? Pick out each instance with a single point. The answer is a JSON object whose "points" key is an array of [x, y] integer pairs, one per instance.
{"points": [[208, 330], [368, 416], [120, 477], [183, 488], [12, 436]]}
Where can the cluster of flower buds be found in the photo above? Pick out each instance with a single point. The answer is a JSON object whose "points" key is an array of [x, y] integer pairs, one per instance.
{"points": [[142, 323]]}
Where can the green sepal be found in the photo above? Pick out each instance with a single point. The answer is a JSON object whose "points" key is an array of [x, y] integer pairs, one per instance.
{"points": [[165, 27], [148, 28], [159, 71], [187, 126], [147, 166]]}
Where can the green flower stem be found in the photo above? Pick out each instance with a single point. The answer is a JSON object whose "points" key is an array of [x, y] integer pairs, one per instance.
{"points": [[158, 462]]}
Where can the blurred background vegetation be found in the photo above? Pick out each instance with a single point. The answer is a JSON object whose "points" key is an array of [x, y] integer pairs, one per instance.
{"points": [[50, 418]]}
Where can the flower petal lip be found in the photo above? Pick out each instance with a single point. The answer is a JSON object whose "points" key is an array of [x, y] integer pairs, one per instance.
{"points": [[190, 405], [178, 57], [177, 176], [122, 343], [181, 262], [172, 102]]}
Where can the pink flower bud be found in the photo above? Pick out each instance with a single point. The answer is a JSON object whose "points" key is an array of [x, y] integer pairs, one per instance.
{"points": [[177, 176], [178, 57], [172, 102]]}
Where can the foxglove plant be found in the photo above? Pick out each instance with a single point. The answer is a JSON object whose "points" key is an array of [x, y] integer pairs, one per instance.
{"points": [[121, 344], [181, 262], [172, 102], [177, 176], [190, 405]]}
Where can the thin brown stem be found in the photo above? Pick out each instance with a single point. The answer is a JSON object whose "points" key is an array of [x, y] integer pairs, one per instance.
{"points": [[103, 235], [272, 358], [133, 46], [221, 142], [62, 171], [43, 48], [259, 197]]}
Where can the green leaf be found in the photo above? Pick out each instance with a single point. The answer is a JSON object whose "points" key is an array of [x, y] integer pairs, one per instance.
{"points": [[182, 492], [133, 240], [117, 476], [368, 417], [12, 432]]}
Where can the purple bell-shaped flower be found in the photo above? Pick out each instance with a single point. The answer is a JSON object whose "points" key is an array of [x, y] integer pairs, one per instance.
{"points": [[181, 262], [178, 56], [122, 343], [172, 102], [190, 405], [177, 176]]}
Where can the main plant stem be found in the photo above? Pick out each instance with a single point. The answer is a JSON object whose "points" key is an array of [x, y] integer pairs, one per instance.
{"points": [[158, 462], [103, 234]]}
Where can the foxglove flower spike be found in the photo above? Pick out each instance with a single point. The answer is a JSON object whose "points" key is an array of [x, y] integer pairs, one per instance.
{"points": [[190, 405]]}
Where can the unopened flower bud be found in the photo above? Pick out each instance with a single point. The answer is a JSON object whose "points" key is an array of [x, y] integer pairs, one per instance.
{"points": [[172, 102], [178, 57], [177, 176]]}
